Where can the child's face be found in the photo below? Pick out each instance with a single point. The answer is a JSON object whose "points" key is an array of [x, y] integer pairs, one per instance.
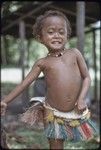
{"points": [[54, 33]]}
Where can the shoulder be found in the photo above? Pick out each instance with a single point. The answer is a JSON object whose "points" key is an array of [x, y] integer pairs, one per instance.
{"points": [[76, 52], [73, 51], [40, 62]]}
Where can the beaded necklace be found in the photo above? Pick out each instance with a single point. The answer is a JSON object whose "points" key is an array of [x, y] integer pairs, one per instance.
{"points": [[56, 55]]}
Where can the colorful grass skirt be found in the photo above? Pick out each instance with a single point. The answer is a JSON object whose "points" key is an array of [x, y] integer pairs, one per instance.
{"points": [[69, 129], [59, 125]]}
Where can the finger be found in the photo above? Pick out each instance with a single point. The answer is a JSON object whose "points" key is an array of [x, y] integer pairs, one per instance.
{"points": [[82, 109], [3, 105], [3, 113]]}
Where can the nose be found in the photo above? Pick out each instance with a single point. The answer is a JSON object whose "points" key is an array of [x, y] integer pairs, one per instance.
{"points": [[56, 35]]}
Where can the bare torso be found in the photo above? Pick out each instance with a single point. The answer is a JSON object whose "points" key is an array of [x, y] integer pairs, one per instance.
{"points": [[63, 80]]}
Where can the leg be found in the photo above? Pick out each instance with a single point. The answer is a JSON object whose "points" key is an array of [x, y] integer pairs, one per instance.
{"points": [[56, 144]]}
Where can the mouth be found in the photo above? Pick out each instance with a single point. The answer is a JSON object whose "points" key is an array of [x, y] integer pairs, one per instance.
{"points": [[56, 42]]}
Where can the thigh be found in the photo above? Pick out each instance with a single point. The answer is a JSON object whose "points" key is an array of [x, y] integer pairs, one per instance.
{"points": [[56, 143]]}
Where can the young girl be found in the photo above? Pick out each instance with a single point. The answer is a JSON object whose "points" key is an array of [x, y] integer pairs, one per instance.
{"points": [[66, 115]]}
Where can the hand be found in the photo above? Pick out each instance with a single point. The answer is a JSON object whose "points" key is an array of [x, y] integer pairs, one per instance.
{"points": [[3, 108], [81, 105]]}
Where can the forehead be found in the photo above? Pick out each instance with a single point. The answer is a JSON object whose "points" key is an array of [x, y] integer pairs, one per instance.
{"points": [[55, 20]]}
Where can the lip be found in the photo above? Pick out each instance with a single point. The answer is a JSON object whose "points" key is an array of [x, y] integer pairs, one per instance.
{"points": [[56, 42]]}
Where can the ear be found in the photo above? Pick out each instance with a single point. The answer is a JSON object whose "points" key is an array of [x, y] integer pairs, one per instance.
{"points": [[39, 38]]}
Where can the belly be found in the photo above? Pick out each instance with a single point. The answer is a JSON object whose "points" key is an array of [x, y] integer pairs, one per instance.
{"points": [[63, 91]]}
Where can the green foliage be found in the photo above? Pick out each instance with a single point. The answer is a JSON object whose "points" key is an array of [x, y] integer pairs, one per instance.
{"points": [[13, 50], [72, 42], [88, 48], [36, 51]]}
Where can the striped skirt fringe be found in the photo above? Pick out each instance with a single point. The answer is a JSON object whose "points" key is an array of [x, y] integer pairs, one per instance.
{"points": [[75, 130]]}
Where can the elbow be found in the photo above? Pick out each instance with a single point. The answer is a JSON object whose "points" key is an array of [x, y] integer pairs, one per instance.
{"points": [[88, 79]]}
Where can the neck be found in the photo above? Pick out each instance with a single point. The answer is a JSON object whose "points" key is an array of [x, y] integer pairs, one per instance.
{"points": [[57, 53]]}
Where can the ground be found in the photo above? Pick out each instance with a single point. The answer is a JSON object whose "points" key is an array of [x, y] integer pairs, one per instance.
{"points": [[21, 137]]}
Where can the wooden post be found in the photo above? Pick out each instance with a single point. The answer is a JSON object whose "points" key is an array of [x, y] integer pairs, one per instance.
{"points": [[95, 66], [3, 51], [28, 45], [80, 24], [22, 48]]}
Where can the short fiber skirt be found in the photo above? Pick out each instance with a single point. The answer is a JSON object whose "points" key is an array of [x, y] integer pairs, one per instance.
{"points": [[60, 125], [78, 128]]}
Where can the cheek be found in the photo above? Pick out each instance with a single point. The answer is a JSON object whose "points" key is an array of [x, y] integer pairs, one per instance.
{"points": [[65, 39], [42, 38], [46, 38]]}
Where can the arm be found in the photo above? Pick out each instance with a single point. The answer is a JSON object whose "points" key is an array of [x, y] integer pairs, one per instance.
{"points": [[86, 80], [33, 74]]}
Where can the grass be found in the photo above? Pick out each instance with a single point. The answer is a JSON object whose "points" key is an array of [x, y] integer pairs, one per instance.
{"points": [[31, 139]]}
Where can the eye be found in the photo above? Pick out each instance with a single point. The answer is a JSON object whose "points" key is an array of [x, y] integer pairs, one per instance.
{"points": [[61, 31], [50, 31]]}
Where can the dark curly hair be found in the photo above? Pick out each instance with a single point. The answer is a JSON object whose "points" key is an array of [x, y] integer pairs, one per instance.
{"points": [[37, 27]]}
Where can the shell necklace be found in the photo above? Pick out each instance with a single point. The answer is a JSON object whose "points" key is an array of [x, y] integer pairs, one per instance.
{"points": [[56, 55]]}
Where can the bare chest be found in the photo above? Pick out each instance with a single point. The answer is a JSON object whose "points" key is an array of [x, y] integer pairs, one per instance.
{"points": [[60, 65]]}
